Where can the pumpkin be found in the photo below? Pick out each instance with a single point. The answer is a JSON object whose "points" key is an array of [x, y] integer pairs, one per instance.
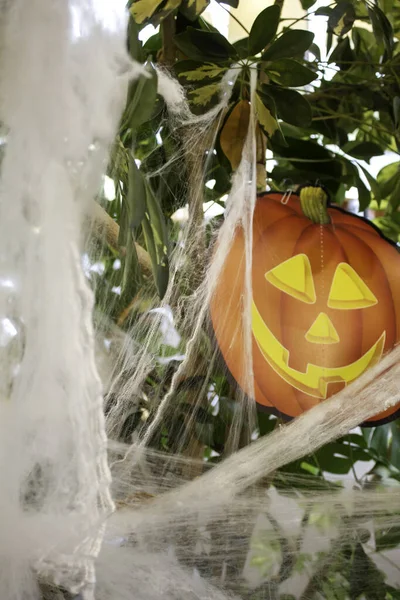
{"points": [[325, 302]]}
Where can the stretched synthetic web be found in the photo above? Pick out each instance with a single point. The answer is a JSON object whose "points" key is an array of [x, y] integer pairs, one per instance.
{"points": [[60, 103], [181, 528]]}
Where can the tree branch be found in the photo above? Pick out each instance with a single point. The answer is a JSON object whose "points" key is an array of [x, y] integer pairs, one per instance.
{"points": [[168, 29], [103, 227]]}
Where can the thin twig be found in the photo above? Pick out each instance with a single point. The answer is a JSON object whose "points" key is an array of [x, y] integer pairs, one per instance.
{"points": [[168, 29], [235, 19], [104, 228]]}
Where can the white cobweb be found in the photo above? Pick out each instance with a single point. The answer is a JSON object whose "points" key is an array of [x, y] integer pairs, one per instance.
{"points": [[168, 523]]}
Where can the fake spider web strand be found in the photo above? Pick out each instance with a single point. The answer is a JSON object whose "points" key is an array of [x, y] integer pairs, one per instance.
{"points": [[163, 548], [55, 492], [224, 497]]}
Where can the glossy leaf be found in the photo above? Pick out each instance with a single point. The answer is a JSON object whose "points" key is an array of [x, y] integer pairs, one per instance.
{"points": [[264, 28], [266, 115], [292, 43], [307, 4], [202, 96], [156, 236], [289, 72], [205, 46], [362, 150], [134, 44], [142, 97], [342, 54], [323, 11], [242, 47], [194, 71], [387, 178], [375, 189], [193, 8], [382, 28], [143, 10], [314, 49], [396, 111], [233, 3], [364, 196], [292, 107], [365, 577], [136, 196], [341, 18], [234, 132], [152, 46], [131, 278], [338, 457]]}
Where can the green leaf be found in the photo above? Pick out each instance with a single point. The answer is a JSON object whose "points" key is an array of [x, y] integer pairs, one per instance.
{"points": [[338, 457], [131, 278], [205, 46], [153, 45], [294, 42], [144, 10], [136, 196], [193, 8], [365, 44], [289, 73], [292, 107], [315, 51], [266, 117], [396, 111], [307, 4], [265, 423], [395, 445], [234, 133], [373, 184], [365, 577], [124, 226], [195, 71], [233, 3], [156, 238], [363, 150], [323, 11], [306, 149], [242, 47], [356, 439], [387, 178], [264, 28], [379, 442], [364, 197], [204, 433], [342, 54], [134, 44], [141, 100], [382, 28], [342, 18], [394, 199], [203, 95], [394, 594]]}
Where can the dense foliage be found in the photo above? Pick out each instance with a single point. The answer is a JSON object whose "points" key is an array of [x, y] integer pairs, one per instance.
{"points": [[320, 120]]}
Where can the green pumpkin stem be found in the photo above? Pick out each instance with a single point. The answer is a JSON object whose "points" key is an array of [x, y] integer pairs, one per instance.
{"points": [[314, 204]]}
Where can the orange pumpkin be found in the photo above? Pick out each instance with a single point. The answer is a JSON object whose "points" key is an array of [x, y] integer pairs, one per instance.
{"points": [[325, 302]]}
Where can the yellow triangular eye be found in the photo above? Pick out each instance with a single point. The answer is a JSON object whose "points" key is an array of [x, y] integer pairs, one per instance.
{"points": [[294, 277], [348, 290], [322, 331]]}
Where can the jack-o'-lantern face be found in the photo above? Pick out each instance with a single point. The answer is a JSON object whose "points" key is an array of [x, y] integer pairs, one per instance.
{"points": [[324, 304], [347, 292]]}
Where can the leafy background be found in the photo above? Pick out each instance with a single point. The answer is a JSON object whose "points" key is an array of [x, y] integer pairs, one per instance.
{"points": [[319, 120]]}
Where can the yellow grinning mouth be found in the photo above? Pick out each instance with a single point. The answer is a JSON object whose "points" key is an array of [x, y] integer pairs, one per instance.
{"points": [[315, 380]]}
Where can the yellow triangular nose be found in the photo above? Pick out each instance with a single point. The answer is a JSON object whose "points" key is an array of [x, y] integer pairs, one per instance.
{"points": [[322, 331]]}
